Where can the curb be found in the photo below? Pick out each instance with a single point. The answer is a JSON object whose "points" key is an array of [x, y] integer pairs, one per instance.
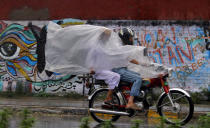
{"points": [[49, 110]]}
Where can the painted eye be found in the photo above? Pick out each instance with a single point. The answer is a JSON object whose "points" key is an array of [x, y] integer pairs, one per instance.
{"points": [[9, 50]]}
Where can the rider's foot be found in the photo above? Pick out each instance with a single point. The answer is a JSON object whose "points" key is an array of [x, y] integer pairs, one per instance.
{"points": [[108, 101], [133, 106]]}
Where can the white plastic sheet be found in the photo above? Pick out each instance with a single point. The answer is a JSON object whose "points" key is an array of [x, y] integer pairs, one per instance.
{"points": [[76, 49]]}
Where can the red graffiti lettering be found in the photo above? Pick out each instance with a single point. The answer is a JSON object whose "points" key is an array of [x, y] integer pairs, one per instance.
{"points": [[194, 66], [160, 53], [161, 37], [171, 55], [174, 36], [189, 55]]}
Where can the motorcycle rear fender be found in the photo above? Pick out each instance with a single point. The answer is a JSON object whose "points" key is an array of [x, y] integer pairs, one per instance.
{"points": [[175, 89], [121, 98], [90, 96]]}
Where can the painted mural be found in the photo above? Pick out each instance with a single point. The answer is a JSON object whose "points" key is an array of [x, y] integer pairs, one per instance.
{"points": [[182, 47], [18, 60]]}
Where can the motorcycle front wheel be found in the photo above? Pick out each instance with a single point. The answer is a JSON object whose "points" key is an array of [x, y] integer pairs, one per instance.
{"points": [[97, 102], [182, 111]]}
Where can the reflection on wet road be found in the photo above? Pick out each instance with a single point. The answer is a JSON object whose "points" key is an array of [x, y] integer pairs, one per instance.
{"points": [[72, 121]]}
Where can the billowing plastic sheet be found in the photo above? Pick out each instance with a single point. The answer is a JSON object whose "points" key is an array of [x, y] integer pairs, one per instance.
{"points": [[79, 48]]}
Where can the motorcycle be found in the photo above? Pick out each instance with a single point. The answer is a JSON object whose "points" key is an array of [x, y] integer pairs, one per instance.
{"points": [[175, 105]]}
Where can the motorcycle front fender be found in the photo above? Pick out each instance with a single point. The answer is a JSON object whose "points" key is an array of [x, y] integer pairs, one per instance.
{"points": [[175, 89]]}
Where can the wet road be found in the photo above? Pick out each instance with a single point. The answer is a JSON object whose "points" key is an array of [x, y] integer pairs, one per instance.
{"points": [[58, 121], [59, 105]]}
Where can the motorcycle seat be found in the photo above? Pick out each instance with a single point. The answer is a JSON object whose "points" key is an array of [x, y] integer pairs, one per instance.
{"points": [[122, 83]]}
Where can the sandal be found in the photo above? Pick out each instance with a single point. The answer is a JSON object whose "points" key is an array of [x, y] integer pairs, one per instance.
{"points": [[108, 102], [134, 107]]}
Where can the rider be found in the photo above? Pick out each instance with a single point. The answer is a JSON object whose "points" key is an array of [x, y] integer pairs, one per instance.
{"points": [[122, 73], [111, 78], [126, 36]]}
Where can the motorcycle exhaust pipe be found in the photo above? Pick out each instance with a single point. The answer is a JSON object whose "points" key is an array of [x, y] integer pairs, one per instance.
{"points": [[109, 112]]}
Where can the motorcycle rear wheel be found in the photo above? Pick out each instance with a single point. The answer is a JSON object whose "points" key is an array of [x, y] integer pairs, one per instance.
{"points": [[97, 101]]}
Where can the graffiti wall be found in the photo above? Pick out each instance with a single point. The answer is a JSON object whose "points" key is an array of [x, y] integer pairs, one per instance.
{"points": [[18, 60], [182, 46]]}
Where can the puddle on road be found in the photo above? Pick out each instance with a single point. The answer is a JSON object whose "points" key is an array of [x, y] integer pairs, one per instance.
{"points": [[73, 121]]}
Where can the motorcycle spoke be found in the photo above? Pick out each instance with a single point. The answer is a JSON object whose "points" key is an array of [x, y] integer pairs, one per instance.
{"points": [[164, 104], [178, 98], [172, 100]]}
